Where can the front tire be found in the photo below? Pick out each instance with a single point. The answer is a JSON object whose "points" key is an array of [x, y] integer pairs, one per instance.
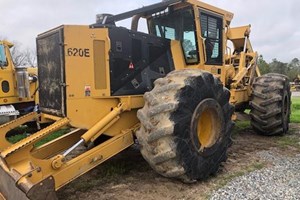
{"points": [[271, 104], [186, 125]]}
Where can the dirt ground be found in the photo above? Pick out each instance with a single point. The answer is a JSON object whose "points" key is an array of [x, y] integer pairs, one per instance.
{"points": [[128, 176]]}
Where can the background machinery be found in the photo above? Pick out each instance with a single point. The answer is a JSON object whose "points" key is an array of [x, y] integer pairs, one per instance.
{"points": [[18, 86], [296, 84], [174, 89]]}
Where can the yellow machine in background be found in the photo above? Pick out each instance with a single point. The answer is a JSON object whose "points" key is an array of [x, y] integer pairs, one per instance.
{"points": [[18, 86], [295, 86], [173, 88]]}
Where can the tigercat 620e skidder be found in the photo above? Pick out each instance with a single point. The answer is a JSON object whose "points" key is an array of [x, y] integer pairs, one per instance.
{"points": [[174, 89]]}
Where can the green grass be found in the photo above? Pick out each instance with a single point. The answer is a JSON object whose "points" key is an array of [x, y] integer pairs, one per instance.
{"points": [[288, 141], [239, 127], [16, 138], [18, 133], [295, 108], [53, 136]]}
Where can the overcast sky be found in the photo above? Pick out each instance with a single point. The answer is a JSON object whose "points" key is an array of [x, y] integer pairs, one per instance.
{"points": [[275, 24]]}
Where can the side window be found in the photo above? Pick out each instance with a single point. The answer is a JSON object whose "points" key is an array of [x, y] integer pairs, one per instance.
{"points": [[5, 86], [165, 32], [189, 46], [211, 30], [189, 40], [178, 25], [3, 61]]}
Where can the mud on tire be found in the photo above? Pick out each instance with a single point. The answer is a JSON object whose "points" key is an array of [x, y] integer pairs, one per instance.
{"points": [[169, 135], [271, 104]]}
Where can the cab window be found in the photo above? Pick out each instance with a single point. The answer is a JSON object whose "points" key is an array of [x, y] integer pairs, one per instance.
{"points": [[3, 61], [211, 31], [178, 25]]}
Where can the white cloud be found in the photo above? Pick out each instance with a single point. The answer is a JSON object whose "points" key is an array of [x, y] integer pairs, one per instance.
{"points": [[275, 30]]}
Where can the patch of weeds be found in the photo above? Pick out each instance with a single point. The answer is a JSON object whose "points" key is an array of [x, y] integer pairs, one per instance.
{"points": [[255, 166], [53, 136], [16, 138], [17, 134], [239, 127], [289, 141]]}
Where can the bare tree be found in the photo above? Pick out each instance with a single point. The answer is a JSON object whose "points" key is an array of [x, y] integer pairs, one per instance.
{"points": [[17, 55], [22, 57], [30, 57]]}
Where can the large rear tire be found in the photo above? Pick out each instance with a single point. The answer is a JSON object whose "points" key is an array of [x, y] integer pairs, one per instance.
{"points": [[271, 104], [186, 125]]}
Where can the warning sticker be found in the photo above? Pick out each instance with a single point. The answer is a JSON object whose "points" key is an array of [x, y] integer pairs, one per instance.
{"points": [[87, 90], [131, 66]]}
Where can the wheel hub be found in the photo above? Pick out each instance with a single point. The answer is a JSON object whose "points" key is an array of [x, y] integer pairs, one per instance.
{"points": [[207, 124]]}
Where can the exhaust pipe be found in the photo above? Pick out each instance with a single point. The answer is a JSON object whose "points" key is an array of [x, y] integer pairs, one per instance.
{"points": [[22, 76]]}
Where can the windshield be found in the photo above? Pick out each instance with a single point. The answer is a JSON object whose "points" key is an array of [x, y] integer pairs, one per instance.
{"points": [[3, 61], [178, 25]]}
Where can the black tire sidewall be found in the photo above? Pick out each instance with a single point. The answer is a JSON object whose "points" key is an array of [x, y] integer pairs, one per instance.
{"points": [[285, 105]]}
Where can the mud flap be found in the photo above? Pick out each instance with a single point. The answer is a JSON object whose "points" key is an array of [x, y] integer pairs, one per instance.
{"points": [[9, 190]]}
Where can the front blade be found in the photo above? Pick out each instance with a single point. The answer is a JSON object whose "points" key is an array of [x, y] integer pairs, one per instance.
{"points": [[9, 190]]}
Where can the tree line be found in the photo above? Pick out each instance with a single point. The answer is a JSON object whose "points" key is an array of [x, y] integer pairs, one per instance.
{"points": [[291, 69], [20, 56]]}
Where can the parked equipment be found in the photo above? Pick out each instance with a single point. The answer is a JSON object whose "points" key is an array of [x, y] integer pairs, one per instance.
{"points": [[18, 86], [174, 89], [295, 86]]}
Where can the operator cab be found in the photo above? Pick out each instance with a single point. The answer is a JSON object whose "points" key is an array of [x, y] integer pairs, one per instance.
{"points": [[181, 34], [181, 25]]}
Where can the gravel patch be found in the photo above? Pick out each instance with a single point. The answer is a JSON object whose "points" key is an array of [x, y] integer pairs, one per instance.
{"points": [[281, 181]]}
